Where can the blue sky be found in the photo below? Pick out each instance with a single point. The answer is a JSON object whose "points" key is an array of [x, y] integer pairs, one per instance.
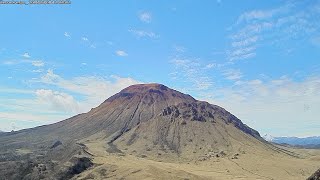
{"points": [[259, 60]]}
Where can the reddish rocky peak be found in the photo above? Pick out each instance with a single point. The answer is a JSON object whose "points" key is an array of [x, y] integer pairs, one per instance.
{"points": [[155, 89], [143, 88], [152, 92]]}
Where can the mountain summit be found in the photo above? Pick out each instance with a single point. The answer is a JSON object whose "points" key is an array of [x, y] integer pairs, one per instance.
{"points": [[167, 117]]}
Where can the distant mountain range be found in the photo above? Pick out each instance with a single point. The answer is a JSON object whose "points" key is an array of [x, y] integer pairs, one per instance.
{"points": [[308, 142]]}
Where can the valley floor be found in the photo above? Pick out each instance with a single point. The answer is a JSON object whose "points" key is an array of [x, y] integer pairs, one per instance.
{"points": [[253, 166]]}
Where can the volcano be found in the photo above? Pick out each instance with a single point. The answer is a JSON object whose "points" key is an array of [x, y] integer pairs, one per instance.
{"points": [[149, 121]]}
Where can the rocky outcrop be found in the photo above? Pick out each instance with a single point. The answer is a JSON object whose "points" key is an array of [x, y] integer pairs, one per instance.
{"points": [[315, 176]]}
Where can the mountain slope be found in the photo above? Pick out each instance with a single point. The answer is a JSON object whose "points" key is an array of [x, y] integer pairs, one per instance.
{"points": [[122, 112], [188, 130]]}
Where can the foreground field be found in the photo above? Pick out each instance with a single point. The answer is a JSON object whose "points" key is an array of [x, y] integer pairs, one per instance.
{"points": [[252, 165]]}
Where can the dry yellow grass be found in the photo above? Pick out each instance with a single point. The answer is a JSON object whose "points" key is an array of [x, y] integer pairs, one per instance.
{"points": [[264, 165]]}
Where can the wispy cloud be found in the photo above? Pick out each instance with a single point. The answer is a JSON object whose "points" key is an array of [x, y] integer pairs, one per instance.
{"points": [[28, 110], [121, 53], [26, 55], [38, 63], [142, 33], [261, 14], [23, 116], [260, 27], [88, 42], [66, 34], [242, 53], [145, 17], [84, 39], [191, 70], [10, 62], [35, 63], [245, 42], [179, 49], [37, 71], [278, 104], [14, 90], [232, 74], [58, 101], [210, 66], [94, 89]]}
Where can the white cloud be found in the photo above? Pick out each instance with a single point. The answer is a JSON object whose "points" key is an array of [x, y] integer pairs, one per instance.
{"points": [[14, 90], [60, 98], [83, 64], [37, 70], [179, 49], [50, 77], [210, 66], [12, 62], [252, 29], [44, 106], [58, 101], [275, 106], [232, 74], [84, 39], [257, 14], [66, 34], [88, 42], [145, 17], [121, 53], [192, 71], [27, 113], [94, 89], [26, 55], [37, 63], [242, 53], [294, 20], [22, 116], [141, 33], [245, 42], [264, 14]]}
